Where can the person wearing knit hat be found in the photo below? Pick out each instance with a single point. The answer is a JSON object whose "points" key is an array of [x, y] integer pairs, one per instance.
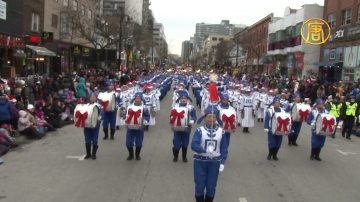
{"points": [[247, 108], [182, 137], [261, 99], [274, 141], [136, 136], [284, 103], [150, 103], [268, 100], [109, 117], [211, 150], [317, 141]]}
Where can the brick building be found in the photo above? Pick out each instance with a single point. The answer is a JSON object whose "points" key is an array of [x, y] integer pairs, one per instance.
{"points": [[340, 56], [254, 41]]}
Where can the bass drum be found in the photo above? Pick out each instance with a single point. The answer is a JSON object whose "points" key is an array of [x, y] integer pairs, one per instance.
{"points": [[86, 115], [325, 124], [281, 124]]}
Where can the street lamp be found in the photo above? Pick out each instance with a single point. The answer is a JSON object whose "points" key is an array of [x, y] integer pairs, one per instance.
{"points": [[129, 45], [123, 18]]}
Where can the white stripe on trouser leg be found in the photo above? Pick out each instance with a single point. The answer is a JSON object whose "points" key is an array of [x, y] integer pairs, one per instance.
{"points": [[242, 200]]}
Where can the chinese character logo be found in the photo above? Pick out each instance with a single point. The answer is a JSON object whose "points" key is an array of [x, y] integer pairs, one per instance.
{"points": [[315, 31]]}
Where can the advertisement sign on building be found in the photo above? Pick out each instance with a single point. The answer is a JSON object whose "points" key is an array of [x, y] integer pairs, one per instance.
{"points": [[2, 10], [350, 56]]}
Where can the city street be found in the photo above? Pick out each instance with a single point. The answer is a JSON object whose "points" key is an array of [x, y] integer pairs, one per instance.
{"points": [[52, 170]]}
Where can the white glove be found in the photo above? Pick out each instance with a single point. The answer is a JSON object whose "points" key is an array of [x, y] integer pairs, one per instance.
{"points": [[191, 122], [145, 122], [222, 167], [313, 126], [266, 130]]}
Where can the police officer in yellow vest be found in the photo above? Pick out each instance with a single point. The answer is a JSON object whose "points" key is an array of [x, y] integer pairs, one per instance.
{"points": [[349, 110], [334, 108]]}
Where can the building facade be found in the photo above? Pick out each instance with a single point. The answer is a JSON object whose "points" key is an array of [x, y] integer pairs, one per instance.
{"points": [[186, 51], [159, 49], [12, 43], [288, 54], [340, 56], [254, 40]]}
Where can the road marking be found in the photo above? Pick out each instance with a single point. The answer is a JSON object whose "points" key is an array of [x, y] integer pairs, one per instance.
{"points": [[242, 200], [345, 153], [80, 158]]}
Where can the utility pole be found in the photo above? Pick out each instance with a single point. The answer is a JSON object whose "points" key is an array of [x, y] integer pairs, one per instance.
{"points": [[237, 53]]}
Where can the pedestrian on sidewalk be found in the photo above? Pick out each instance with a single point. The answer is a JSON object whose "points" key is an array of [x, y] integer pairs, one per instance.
{"points": [[210, 147]]}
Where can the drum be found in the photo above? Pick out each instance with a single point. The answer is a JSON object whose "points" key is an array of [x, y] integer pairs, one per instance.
{"points": [[325, 124], [86, 115], [107, 101], [228, 116], [281, 124], [179, 118], [134, 117], [300, 112]]}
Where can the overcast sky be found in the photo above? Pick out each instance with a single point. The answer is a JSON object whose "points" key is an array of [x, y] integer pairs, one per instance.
{"points": [[179, 17]]}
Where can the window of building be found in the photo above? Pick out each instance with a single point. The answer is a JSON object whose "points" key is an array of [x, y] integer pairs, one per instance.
{"points": [[272, 37], [65, 27], [358, 14], [54, 20], [75, 5], [66, 3], [346, 16], [82, 10], [89, 14], [214, 39], [221, 39], [332, 20], [35, 22], [298, 28]]}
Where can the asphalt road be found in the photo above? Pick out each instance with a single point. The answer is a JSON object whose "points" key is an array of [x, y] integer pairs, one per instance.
{"points": [[49, 170]]}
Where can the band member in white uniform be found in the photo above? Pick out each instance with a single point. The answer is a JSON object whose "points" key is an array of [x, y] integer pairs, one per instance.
{"points": [[247, 111]]}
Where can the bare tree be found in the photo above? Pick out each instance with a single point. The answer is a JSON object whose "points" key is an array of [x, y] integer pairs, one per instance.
{"points": [[223, 50]]}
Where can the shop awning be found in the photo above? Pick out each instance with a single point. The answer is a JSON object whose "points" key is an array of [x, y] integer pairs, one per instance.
{"points": [[41, 50]]}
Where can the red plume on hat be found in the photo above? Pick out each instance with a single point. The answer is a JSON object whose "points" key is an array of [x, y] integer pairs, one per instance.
{"points": [[214, 95]]}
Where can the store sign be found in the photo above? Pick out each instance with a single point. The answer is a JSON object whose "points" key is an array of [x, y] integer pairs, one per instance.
{"points": [[11, 42], [350, 56], [353, 32], [48, 37], [2, 10], [299, 57], [34, 39], [339, 34]]}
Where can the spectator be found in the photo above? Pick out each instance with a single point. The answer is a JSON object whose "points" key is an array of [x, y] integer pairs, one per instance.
{"points": [[5, 109], [81, 88], [27, 125]]}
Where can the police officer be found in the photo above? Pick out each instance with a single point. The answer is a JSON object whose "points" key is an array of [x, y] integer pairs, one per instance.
{"points": [[91, 134], [210, 149], [349, 110], [334, 108], [181, 138]]}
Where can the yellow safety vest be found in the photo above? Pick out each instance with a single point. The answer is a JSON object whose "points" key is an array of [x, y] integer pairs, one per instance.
{"points": [[335, 110], [350, 109]]}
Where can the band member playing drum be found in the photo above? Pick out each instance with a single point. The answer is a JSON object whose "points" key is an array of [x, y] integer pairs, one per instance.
{"points": [[274, 139], [136, 116], [317, 139], [299, 113], [109, 111], [92, 134], [210, 149], [150, 104], [182, 117], [228, 116]]}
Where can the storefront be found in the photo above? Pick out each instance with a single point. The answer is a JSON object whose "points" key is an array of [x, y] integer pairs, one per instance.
{"points": [[12, 56]]}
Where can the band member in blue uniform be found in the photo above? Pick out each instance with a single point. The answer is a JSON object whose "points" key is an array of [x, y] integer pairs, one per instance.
{"points": [[295, 125], [181, 138], [274, 141], [91, 134], [210, 147], [109, 117], [225, 105], [136, 137], [317, 141]]}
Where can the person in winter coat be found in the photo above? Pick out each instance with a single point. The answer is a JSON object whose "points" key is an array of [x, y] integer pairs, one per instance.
{"points": [[27, 125], [81, 88], [5, 110]]}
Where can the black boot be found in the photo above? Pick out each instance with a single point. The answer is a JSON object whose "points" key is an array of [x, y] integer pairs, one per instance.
{"points": [[184, 152], [312, 155], [200, 198], [117, 127], [93, 156], [208, 199], [176, 154], [276, 150], [112, 133], [131, 153], [317, 154], [137, 153], [88, 151], [270, 154], [106, 133]]}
